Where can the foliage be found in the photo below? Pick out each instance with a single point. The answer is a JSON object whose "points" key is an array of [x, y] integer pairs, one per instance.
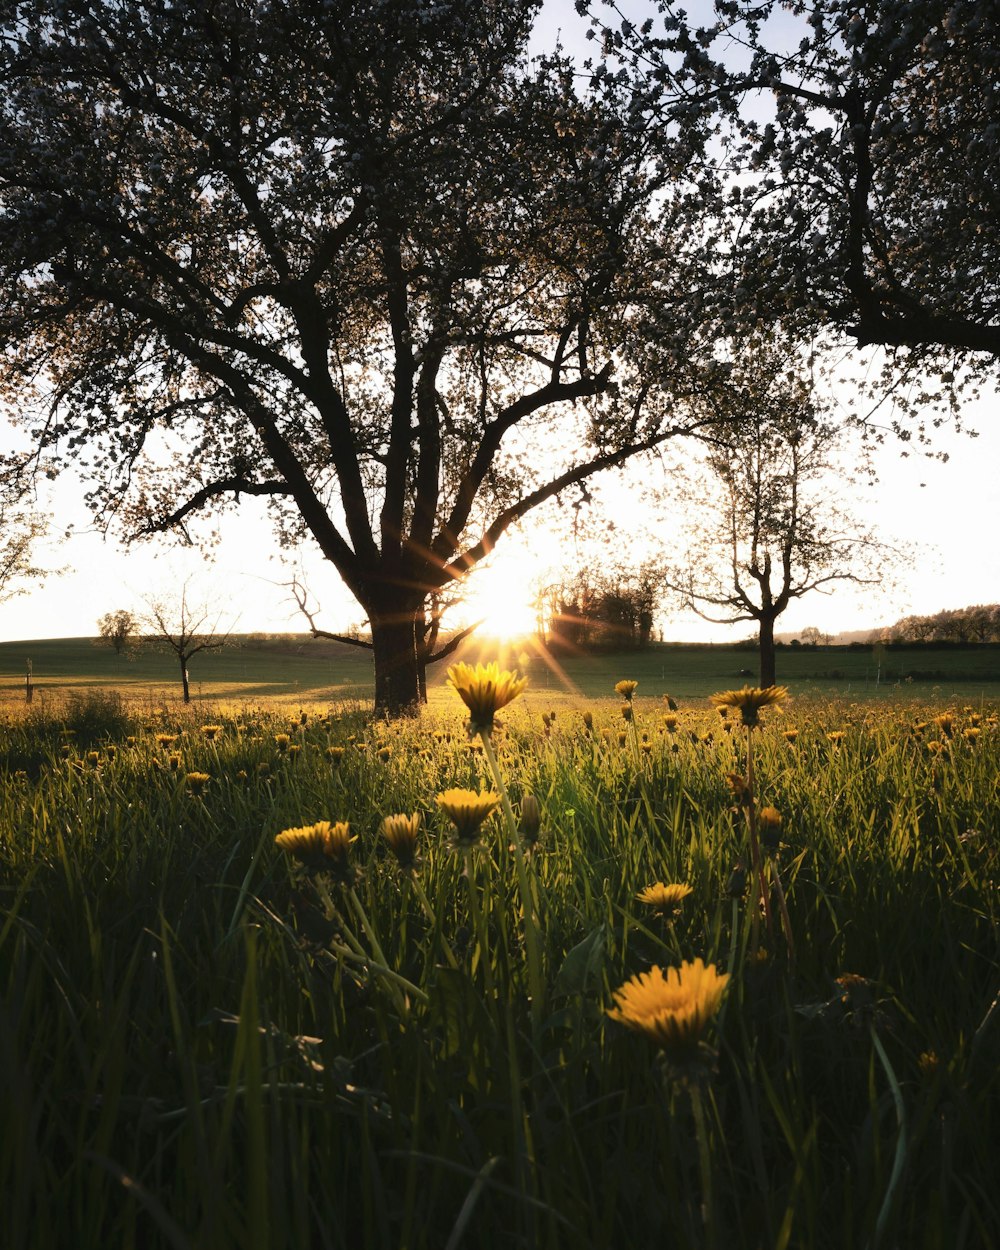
{"points": [[118, 630], [978, 623], [365, 303], [601, 609], [195, 1054], [860, 150]]}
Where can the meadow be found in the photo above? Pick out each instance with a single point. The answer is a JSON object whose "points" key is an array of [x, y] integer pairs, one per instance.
{"points": [[207, 1041]]}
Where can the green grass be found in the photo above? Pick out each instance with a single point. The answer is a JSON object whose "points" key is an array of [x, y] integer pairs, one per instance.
{"points": [[298, 667], [201, 1045]]}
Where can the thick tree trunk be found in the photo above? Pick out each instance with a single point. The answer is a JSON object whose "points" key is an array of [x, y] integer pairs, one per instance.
{"points": [[766, 652], [397, 669], [184, 680]]}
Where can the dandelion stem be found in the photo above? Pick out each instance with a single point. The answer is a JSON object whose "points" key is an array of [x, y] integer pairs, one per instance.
{"points": [[531, 935], [704, 1161], [424, 901], [479, 926]]}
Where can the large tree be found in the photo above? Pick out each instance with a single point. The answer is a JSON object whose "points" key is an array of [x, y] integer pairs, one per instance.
{"points": [[348, 256], [766, 524], [863, 149]]}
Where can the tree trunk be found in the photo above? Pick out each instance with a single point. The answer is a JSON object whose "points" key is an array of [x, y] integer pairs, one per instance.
{"points": [[184, 680], [766, 651], [397, 670]]}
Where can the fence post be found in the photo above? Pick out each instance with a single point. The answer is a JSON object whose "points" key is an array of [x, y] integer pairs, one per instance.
{"points": [[29, 689]]}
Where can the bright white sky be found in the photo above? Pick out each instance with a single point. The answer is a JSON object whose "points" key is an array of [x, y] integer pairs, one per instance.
{"points": [[947, 512]]}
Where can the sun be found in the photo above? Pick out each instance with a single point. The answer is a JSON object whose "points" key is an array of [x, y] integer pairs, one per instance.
{"points": [[499, 598]]}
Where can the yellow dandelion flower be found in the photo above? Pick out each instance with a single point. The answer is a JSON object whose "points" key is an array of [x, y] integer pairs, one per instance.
{"points": [[946, 723], [174, 762], [385, 754], [485, 689], [400, 832], [672, 1010], [971, 735], [211, 732], [282, 741], [323, 847], [664, 897], [467, 809], [196, 782], [335, 755], [790, 736], [626, 689], [588, 722], [166, 740], [626, 711], [750, 700], [670, 724], [93, 758], [836, 736]]}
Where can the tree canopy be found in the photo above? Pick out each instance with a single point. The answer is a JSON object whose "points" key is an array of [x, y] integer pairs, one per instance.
{"points": [[861, 148], [346, 256]]}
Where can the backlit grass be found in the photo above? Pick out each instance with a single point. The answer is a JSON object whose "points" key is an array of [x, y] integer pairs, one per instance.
{"points": [[206, 1043]]}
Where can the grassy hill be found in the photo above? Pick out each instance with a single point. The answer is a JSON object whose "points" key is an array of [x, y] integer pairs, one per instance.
{"points": [[295, 667]]}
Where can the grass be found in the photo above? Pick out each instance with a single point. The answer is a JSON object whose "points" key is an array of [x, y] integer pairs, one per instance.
{"points": [[204, 1045], [295, 667]]}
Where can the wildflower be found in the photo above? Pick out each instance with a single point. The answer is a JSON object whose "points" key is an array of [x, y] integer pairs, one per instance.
{"points": [[166, 740], [670, 724], [946, 723], [65, 750], [790, 735], [467, 810], [282, 741], [670, 702], [971, 735], [667, 898], [93, 758], [588, 722], [836, 737], [626, 689], [196, 782], [927, 1064], [335, 755], [322, 847], [303, 718], [769, 823], [174, 762], [111, 752], [484, 690], [672, 1010], [531, 819], [750, 700], [626, 712], [400, 832], [293, 749], [211, 732], [385, 754], [741, 791]]}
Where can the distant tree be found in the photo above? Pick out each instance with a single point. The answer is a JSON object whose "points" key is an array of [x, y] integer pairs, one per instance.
{"points": [[183, 627], [769, 531], [979, 623], [604, 608], [118, 630], [810, 636]]}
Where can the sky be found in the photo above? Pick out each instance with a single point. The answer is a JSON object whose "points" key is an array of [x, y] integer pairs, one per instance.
{"points": [[946, 512]]}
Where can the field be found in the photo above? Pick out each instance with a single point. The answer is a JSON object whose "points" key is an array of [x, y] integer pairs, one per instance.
{"points": [[296, 667], [208, 1041]]}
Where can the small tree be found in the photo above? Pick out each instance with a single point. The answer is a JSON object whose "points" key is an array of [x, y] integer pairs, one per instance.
{"points": [[184, 628], [772, 531], [118, 630]]}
